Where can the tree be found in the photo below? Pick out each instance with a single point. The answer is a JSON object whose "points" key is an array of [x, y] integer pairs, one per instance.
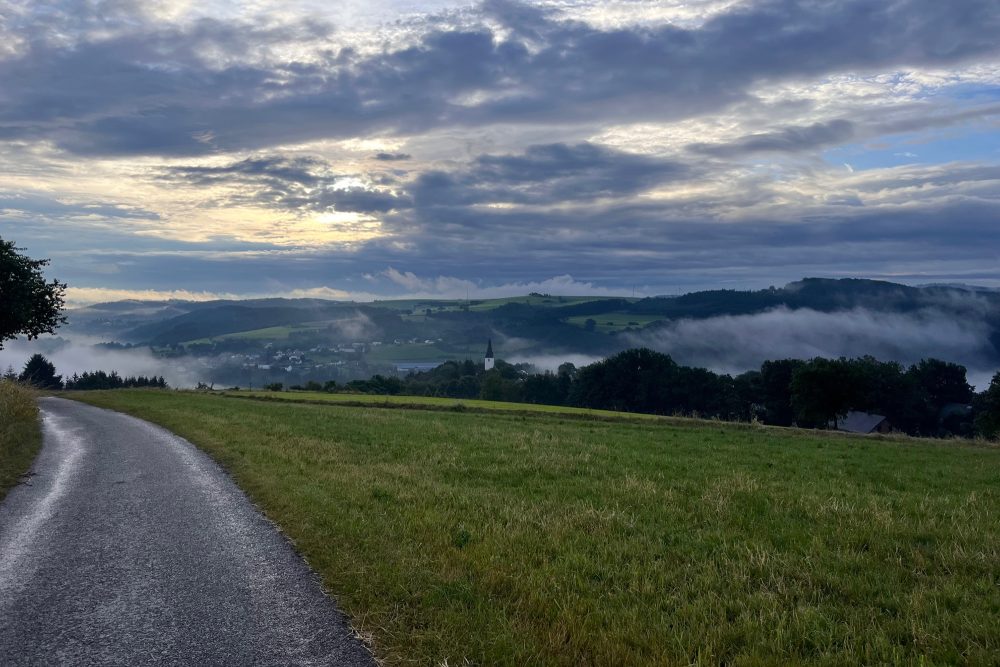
{"points": [[776, 391], [987, 408], [636, 380], [822, 391], [31, 306], [41, 373], [939, 384]]}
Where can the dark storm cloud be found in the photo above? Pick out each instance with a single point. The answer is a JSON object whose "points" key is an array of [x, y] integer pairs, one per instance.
{"points": [[546, 174], [152, 90], [788, 140]]}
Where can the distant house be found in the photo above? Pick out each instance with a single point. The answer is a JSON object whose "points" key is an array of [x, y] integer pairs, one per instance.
{"points": [[864, 422]]}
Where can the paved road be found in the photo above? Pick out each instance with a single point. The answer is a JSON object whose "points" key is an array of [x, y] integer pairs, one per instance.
{"points": [[132, 547]]}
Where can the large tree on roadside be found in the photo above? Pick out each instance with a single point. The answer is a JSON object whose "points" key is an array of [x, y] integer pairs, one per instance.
{"points": [[29, 305]]}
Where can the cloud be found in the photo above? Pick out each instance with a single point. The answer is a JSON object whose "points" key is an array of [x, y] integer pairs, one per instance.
{"points": [[301, 183], [451, 287], [189, 89], [392, 157], [38, 204], [546, 174], [83, 296], [551, 362], [232, 150], [787, 140]]}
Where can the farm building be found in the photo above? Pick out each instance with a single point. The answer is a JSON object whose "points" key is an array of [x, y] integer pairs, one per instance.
{"points": [[864, 422]]}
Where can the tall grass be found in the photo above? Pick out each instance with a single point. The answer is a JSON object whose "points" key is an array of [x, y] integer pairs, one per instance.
{"points": [[20, 433]]}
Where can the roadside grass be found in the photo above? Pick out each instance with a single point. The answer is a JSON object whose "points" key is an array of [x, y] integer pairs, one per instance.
{"points": [[20, 433], [515, 539]]}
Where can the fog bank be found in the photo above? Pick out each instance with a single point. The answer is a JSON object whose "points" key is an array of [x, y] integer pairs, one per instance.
{"points": [[77, 356], [736, 343]]}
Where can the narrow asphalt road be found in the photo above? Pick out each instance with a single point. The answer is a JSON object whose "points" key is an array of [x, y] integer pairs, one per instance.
{"points": [[129, 546]]}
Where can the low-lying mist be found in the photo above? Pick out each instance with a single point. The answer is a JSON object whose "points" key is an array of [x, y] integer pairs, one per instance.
{"points": [[736, 343], [726, 344], [77, 355]]}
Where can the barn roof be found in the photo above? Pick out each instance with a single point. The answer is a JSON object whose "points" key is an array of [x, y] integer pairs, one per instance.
{"points": [[860, 422]]}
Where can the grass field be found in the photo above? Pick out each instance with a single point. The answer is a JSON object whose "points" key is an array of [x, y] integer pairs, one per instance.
{"points": [[267, 333], [614, 321], [518, 539], [20, 433], [430, 402]]}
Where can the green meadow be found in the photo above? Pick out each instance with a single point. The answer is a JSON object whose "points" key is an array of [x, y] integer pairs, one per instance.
{"points": [[457, 537]]}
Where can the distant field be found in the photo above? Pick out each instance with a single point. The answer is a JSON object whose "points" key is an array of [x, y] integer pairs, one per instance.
{"points": [[20, 433], [420, 352], [267, 333], [606, 322], [511, 539]]}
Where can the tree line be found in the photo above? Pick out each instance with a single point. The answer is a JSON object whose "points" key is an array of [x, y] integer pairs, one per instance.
{"points": [[40, 372], [931, 398]]}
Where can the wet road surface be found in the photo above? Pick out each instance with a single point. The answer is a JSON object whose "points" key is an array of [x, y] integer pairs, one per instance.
{"points": [[129, 546]]}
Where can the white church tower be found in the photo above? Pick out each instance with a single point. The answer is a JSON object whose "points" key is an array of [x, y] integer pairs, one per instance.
{"points": [[488, 361]]}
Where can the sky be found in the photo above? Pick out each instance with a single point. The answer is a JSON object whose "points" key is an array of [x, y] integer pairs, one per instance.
{"points": [[359, 150]]}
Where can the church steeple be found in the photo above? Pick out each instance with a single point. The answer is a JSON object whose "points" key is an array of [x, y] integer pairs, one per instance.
{"points": [[488, 361]]}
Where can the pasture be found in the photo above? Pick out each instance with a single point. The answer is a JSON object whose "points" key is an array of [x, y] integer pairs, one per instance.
{"points": [[513, 538]]}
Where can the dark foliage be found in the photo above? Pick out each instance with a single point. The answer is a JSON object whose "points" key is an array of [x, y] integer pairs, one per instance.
{"points": [[31, 305], [987, 410], [40, 372], [92, 380], [931, 398]]}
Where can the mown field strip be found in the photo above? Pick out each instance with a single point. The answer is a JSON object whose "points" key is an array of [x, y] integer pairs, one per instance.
{"points": [[434, 403]]}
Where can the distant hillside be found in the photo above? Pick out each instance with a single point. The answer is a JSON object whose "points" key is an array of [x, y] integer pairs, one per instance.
{"points": [[219, 318], [532, 324], [824, 295]]}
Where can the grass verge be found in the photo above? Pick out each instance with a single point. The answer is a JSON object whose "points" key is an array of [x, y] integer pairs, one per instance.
{"points": [[20, 433], [513, 539]]}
